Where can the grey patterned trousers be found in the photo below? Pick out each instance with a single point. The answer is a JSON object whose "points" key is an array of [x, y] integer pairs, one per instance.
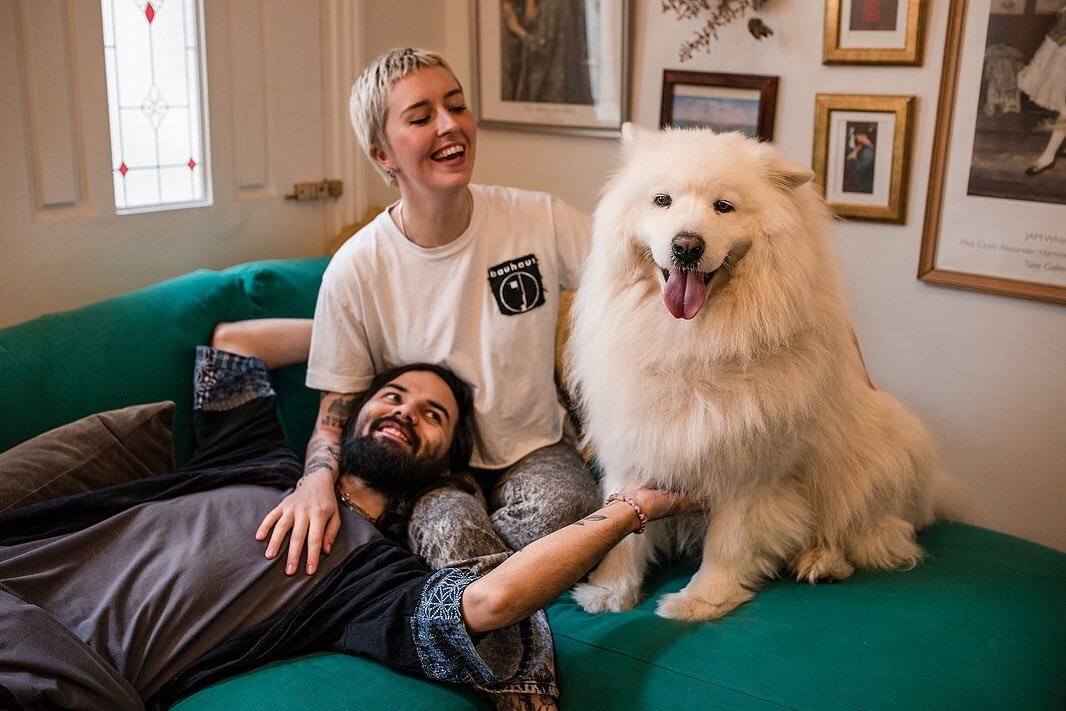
{"points": [[547, 489]]}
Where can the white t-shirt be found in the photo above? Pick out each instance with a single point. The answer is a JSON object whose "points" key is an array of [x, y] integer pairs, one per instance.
{"points": [[484, 305]]}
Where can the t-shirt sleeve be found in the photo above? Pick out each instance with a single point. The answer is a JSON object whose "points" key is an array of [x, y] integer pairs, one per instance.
{"points": [[573, 236], [340, 359]]}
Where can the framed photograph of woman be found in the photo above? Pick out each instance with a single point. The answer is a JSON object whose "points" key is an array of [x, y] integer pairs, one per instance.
{"points": [[722, 102], [558, 65], [995, 217], [861, 154], [873, 32]]}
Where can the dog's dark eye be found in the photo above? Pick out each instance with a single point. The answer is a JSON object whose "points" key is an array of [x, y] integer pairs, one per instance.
{"points": [[722, 206], [663, 200]]}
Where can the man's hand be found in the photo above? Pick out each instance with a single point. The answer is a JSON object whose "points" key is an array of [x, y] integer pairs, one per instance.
{"points": [[309, 514]]}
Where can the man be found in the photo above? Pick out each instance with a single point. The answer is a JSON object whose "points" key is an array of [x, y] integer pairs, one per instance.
{"points": [[103, 606]]}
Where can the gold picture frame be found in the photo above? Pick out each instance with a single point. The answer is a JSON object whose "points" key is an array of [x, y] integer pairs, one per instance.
{"points": [[1002, 242], [862, 154], [885, 32]]}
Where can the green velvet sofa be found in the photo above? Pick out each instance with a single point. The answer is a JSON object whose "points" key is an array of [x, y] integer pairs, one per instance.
{"points": [[980, 624]]}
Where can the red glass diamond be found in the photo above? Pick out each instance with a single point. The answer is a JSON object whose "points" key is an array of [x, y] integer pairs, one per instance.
{"points": [[192, 164], [122, 169], [149, 12]]}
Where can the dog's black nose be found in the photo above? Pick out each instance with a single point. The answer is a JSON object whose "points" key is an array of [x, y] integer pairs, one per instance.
{"points": [[687, 248]]}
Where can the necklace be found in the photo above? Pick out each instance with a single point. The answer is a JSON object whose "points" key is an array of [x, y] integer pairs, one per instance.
{"points": [[352, 506], [403, 225]]}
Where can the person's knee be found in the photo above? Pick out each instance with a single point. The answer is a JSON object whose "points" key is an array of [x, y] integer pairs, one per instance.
{"points": [[462, 499]]}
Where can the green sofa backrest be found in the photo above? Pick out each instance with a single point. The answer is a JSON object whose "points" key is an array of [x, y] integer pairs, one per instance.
{"points": [[140, 347]]}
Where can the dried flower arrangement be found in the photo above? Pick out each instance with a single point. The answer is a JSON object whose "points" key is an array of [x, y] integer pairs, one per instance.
{"points": [[721, 13]]}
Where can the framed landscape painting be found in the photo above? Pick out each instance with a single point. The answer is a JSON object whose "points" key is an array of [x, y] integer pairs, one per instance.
{"points": [[722, 102]]}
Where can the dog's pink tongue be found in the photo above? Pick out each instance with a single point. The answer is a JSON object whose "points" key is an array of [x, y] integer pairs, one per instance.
{"points": [[684, 293]]}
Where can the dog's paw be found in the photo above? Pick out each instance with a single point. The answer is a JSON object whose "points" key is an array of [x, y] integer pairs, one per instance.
{"points": [[687, 607], [821, 564], [596, 598]]}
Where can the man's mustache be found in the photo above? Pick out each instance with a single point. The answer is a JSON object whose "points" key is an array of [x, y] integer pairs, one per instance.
{"points": [[408, 431]]}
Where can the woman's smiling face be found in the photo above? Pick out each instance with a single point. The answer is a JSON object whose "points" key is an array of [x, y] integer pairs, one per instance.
{"points": [[431, 132]]}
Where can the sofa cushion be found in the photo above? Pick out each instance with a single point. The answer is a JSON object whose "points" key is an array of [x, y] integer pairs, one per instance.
{"points": [[330, 681], [282, 288], [287, 288], [122, 351], [980, 624], [88, 454]]}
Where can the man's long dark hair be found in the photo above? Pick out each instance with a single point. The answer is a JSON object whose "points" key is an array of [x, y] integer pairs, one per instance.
{"points": [[393, 522]]}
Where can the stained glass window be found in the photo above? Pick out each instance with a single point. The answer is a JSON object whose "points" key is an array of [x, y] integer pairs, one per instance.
{"points": [[152, 55]]}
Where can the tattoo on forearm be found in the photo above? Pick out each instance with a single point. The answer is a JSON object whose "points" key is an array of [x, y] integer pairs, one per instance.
{"points": [[337, 412], [331, 421], [590, 517], [321, 455], [316, 463]]}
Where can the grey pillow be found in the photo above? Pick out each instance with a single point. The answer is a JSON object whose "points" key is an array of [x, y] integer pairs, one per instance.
{"points": [[88, 454]]}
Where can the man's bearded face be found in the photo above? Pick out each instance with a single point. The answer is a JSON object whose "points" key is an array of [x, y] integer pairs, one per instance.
{"points": [[405, 431], [388, 467]]}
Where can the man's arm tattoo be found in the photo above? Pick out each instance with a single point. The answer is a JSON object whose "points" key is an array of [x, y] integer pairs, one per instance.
{"points": [[590, 517], [321, 456], [337, 413]]}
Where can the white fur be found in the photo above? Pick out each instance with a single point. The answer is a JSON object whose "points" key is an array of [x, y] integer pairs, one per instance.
{"points": [[759, 403]]}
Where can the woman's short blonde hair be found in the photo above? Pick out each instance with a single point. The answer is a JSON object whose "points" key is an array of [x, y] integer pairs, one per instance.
{"points": [[369, 103]]}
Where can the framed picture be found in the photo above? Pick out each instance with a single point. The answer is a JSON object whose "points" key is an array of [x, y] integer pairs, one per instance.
{"points": [[557, 66], [873, 32], [862, 155], [995, 218], [723, 102]]}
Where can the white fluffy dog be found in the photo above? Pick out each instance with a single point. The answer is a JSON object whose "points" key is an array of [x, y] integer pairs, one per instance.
{"points": [[711, 352]]}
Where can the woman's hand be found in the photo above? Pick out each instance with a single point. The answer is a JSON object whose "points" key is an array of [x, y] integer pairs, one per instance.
{"points": [[657, 503], [309, 514]]}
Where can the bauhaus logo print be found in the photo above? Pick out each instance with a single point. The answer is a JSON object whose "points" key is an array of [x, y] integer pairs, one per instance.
{"points": [[517, 285]]}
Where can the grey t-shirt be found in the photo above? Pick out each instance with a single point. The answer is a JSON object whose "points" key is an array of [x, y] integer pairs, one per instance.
{"points": [[155, 587]]}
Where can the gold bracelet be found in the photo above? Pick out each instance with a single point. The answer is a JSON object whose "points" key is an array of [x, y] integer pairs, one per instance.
{"points": [[641, 516]]}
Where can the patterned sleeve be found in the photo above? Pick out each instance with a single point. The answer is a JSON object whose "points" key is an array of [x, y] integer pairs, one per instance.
{"points": [[225, 381], [234, 412], [516, 659]]}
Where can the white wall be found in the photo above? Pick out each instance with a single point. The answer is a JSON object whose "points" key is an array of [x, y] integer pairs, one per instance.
{"points": [[987, 373]]}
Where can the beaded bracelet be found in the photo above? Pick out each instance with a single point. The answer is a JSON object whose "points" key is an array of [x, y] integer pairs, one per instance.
{"points": [[641, 516]]}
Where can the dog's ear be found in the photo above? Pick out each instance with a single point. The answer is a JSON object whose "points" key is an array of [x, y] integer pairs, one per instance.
{"points": [[630, 133], [788, 176]]}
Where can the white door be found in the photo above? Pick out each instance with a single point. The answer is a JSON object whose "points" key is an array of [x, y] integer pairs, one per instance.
{"points": [[62, 244]]}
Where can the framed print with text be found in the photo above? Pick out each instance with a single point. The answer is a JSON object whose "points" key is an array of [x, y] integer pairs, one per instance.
{"points": [[995, 217]]}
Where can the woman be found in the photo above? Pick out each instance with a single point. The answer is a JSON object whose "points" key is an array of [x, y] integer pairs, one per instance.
{"points": [[463, 275]]}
